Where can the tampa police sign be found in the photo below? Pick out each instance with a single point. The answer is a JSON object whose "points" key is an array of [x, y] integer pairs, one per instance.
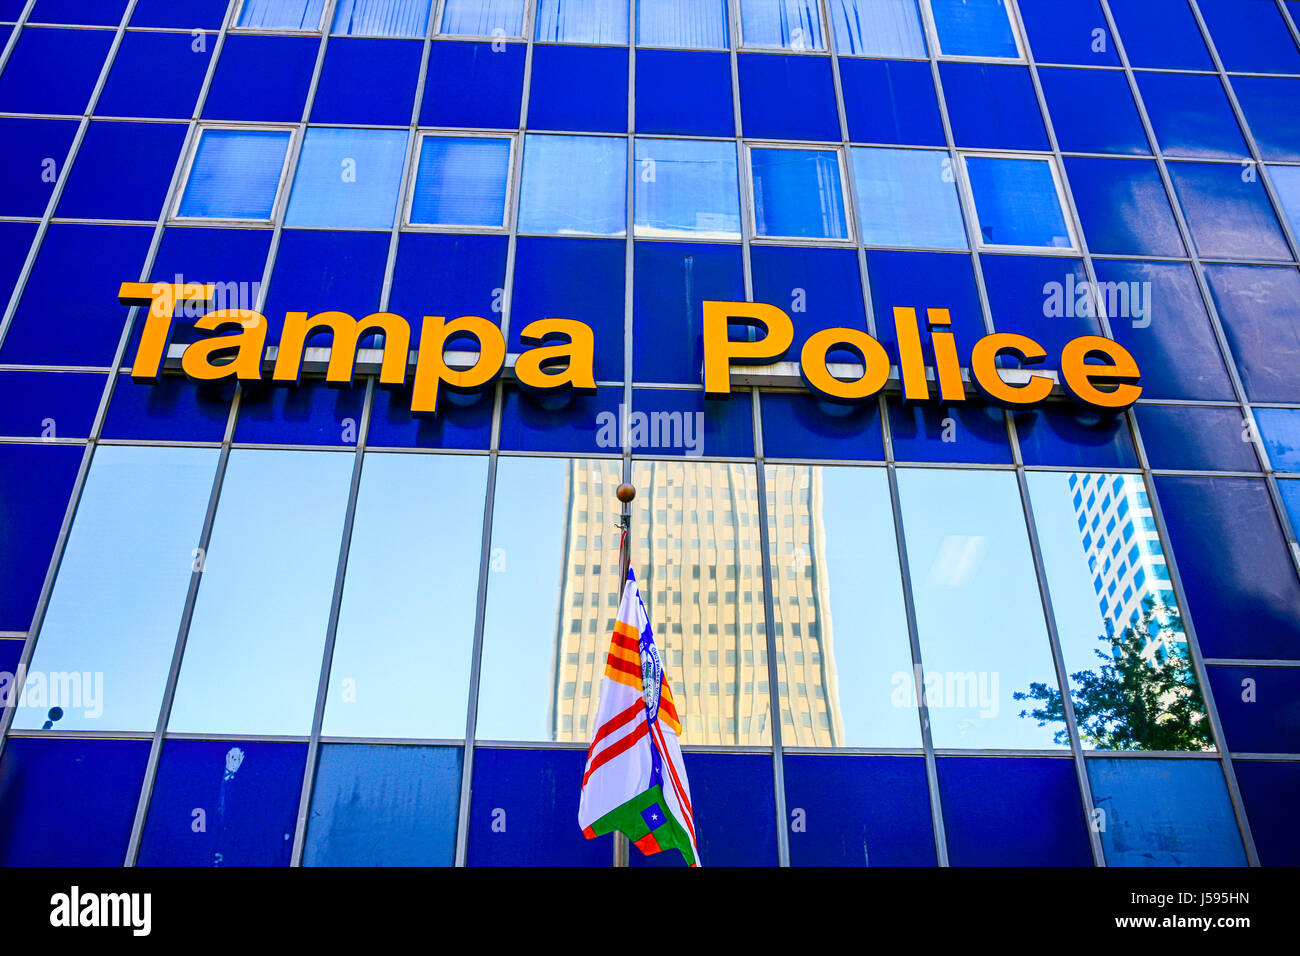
{"points": [[1095, 372]]}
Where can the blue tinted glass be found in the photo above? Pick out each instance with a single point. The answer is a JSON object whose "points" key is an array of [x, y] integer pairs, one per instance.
{"points": [[235, 174], [1250, 37], [818, 288], [48, 404], [311, 413], [1286, 180], [863, 811], [281, 14], [461, 181], [877, 28], [1238, 577], [889, 102], [788, 97], [781, 24], [173, 408], [1192, 438], [592, 21], [797, 193], [596, 105], [69, 802], [447, 275], [969, 88], [1280, 429], [15, 241], [974, 28], [92, 12], [686, 188], [1093, 111], [35, 481], [1229, 215], [381, 18], [558, 423], [463, 421], [686, 93], [262, 79], [473, 86], [384, 806], [187, 14], [1290, 491], [1273, 728], [679, 422], [1270, 106], [133, 88], [1270, 791], [347, 177], [244, 794], [122, 171], [316, 270], [53, 71], [483, 18], [801, 426], [31, 145], [1068, 32], [689, 25], [1160, 33], [907, 197], [1191, 116], [920, 281], [1256, 304], [386, 98], [1017, 202], [1005, 811], [1044, 297], [1123, 207], [1165, 813], [547, 203], [1084, 439], [957, 433]]}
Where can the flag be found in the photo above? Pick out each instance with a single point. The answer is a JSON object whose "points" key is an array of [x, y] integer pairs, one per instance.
{"points": [[634, 781]]}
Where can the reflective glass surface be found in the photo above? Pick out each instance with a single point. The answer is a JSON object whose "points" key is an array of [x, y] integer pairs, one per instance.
{"points": [[686, 188], [549, 206], [907, 197], [797, 193]]}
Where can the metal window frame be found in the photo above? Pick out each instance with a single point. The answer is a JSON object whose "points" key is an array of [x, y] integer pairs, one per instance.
{"points": [[721, 237], [739, 43], [931, 24], [1062, 201], [961, 208], [850, 214], [412, 176], [624, 138], [440, 10], [326, 16], [174, 216]]}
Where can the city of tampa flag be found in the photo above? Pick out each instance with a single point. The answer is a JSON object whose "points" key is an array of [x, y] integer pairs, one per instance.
{"points": [[634, 781]]}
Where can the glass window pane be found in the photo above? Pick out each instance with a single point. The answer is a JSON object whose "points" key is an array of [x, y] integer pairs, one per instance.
{"points": [[1017, 203], [253, 655], [235, 175], [686, 188], [582, 21], [106, 645], [1119, 624], [281, 14], [347, 177], [844, 677], [461, 181], [978, 610], [483, 18], [1286, 180], [781, 24], [382, 18], [877, 28], [797, 193], [549, 204], [1280, 430], [974, 28], [683, 24], [406, 624], [907, 197]]}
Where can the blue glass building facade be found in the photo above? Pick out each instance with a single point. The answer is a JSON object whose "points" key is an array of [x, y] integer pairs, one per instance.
{"points": [[268, 625]]}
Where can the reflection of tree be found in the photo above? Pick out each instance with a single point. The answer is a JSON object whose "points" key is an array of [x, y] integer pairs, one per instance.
{"points": [[1135, 700]]}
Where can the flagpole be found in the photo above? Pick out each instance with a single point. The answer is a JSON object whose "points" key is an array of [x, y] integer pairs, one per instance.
{"points": [[625, 494]]}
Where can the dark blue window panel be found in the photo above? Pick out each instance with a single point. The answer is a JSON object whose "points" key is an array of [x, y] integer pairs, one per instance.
{"points": [[97, 13], [248, 792], [317, 271], [1161, 33], [262, 79], [1257, 306], [532, 796], [10, 651], [970, 88], [155, 74], [1093, 111], [1229, 216], [1012, 811], [384, 806], [1053, 436], [11, 9], [1238, 579], [1066, 32], [1165, 812], [684, 92], [186, 14], [597, 104], [368, 82], [728, 832], [801, 425], [924, 280], [463, 421], [174, 409], [1040, 297], [973, 432], [472, 86], [889, 101], [860, 811], [1195, 438], [817, 288], [1250, 37], [27, 178], [53, 404], [68, 802], [1123, 207], [562, 422], [1271, 792], [53, 71], [545, 270], [448, 275], [15, 242], [1290, 490], [311, 413], [788, 97], [122, 171], [54, 328], [671, 280], [1191, 116], [35, 482], [1169, 333], [1272, 109], [1259, 707], [728, 424]]}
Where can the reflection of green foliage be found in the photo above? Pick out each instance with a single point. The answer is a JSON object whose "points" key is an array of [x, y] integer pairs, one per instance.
{"points": [[1131, 702]]}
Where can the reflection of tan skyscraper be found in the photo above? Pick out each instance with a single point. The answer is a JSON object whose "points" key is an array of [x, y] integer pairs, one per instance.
{"points": [[696, 550]]}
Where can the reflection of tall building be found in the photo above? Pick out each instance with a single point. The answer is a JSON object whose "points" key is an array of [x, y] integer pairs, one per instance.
{"points": [[1124, 554], [696, 549]]}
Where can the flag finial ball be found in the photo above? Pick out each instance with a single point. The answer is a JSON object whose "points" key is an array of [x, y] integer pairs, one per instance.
{"points": [[625, 493]]}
